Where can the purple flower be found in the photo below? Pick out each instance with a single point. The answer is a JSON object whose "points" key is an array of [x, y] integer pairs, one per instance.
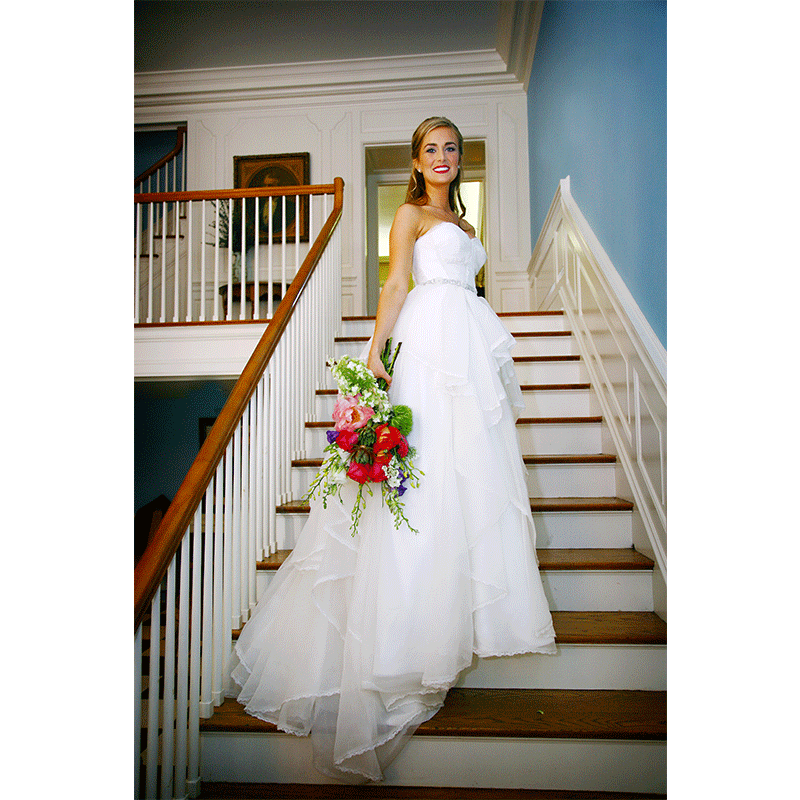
{"points": [[332, 436]]}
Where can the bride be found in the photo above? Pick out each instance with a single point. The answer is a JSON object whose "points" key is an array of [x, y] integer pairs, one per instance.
{"points": [[358, 638]]}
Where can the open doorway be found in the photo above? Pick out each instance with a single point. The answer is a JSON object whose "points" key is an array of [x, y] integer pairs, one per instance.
{"points": [[387, 169]]}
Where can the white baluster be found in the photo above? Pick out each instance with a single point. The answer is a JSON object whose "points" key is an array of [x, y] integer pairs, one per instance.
{"points": [[151, 240], [229, 314], [203, 228], [257, 250], [207, 660], [177, 267], [137, 268], [230, 612], [182, 699], [137, 710], [163, 306], [270, 248], [189, 254], [193, 771], [237, 526], [272, 438], [243, 265], [151, 756], [244, 512], [168, 723], [252, 492], [222, 630]]}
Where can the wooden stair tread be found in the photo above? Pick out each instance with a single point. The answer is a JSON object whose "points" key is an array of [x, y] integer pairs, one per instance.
{"points": [[537, 359], [526, 387], [549, 559], [552, 459], [297, 791], [589, 420], [516, 335], [518, 713], [538, 504], [603, 628]]}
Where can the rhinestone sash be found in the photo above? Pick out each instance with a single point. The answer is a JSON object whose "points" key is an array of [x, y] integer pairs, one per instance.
{"points": [[452, 281]]}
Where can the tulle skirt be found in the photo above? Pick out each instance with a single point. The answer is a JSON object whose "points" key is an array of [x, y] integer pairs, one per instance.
{"points": [[358, 638]]}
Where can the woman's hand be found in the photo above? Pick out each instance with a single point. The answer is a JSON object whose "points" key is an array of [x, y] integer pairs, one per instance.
{"points": [[375, 366]]}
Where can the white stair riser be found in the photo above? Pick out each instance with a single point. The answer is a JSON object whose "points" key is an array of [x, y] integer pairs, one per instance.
{"points": [[541, 439], [571, 480], [626, 667], [566, 764], [571, 529], [546, 372], [585, 590], [596, 590], [562, 403], [544, 480], [554, 322], [575, 438], [525, 346]]}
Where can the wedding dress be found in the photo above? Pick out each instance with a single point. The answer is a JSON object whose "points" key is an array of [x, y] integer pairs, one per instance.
{"points": [[358, 639]]}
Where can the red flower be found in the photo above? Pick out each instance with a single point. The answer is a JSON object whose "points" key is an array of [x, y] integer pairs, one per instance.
{"points": [[360, 473], [377, 473], [388, 438], [347, 440]]}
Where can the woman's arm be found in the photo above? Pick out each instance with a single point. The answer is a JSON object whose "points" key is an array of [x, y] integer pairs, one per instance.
{"points": [[402, 236]]}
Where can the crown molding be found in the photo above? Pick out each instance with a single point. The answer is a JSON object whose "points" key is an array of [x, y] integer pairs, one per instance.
{"points": [[435, 71], [517, 34]]}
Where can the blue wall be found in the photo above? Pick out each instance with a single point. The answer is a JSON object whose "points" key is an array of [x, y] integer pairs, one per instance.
{"points": [[167, 434], [597, 112]]}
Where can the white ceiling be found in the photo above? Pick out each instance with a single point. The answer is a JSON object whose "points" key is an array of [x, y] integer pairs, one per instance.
{"points": [[173, 35]]}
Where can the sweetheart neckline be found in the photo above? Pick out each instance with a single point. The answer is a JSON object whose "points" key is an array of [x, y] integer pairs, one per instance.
{"points": [[446, 222]]}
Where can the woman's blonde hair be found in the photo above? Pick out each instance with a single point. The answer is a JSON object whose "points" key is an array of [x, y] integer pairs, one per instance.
{"points": [[416, 192]]}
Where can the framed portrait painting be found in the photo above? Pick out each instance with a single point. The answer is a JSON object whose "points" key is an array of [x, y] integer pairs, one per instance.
{"points": [[288, 169]]}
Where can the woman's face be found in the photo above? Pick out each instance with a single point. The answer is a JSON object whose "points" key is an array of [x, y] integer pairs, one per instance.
{"points": [[438, 157]]}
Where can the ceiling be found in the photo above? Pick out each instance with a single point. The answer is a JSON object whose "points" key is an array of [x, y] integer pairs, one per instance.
{"points": [[173, 35]]}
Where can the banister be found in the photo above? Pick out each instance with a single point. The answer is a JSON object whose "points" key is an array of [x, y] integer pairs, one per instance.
{"points": [[152, 566], [167, 158]]}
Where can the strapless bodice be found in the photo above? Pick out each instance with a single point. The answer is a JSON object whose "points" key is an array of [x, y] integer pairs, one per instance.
{"points": [[446, 253]]}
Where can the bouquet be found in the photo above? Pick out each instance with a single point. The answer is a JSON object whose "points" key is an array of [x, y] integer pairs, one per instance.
{"points": [[368, 442]]}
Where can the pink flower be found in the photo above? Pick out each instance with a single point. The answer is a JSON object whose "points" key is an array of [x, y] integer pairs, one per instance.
{"points": [[360, 473], [349, 414]]}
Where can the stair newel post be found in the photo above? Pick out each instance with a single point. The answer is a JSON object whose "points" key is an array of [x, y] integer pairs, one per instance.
{"points": [[151, 754], [209, 568], [168, 736], [193, 772], [222, 632], [182, 672]]}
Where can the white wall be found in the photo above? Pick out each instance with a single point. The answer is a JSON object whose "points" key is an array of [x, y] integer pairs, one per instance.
{"points": [[333, 111]]}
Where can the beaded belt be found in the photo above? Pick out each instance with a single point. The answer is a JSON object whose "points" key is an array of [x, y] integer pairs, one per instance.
{"points": [[463, 285]]}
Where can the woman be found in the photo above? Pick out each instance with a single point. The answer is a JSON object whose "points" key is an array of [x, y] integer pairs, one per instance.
{"points": [[358, 639]]}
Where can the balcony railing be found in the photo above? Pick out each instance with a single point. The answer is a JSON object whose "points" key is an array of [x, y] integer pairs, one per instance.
{"points": [[221, 256]]}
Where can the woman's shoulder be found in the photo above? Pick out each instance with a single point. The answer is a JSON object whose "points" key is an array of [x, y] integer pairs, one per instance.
{"points": [[465, 226]]}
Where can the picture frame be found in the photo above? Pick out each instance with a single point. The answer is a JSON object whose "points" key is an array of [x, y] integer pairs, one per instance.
{"points": [[284, 169]]}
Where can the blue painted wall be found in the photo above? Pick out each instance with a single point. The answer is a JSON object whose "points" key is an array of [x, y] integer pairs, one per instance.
{"points": [[597, 112]]}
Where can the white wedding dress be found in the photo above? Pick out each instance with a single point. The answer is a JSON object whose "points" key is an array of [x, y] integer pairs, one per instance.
{"points": [[358, 639]]}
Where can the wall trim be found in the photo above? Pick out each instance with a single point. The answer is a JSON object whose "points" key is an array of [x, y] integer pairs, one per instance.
{"points": [[474, 68]]}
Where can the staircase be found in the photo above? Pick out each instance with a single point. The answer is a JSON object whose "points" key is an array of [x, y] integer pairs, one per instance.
{"points": [[589, 722]]}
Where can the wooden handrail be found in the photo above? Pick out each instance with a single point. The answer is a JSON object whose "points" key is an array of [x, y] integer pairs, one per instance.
{"points": [[153, 565], [225, 194], [160, 163]]}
